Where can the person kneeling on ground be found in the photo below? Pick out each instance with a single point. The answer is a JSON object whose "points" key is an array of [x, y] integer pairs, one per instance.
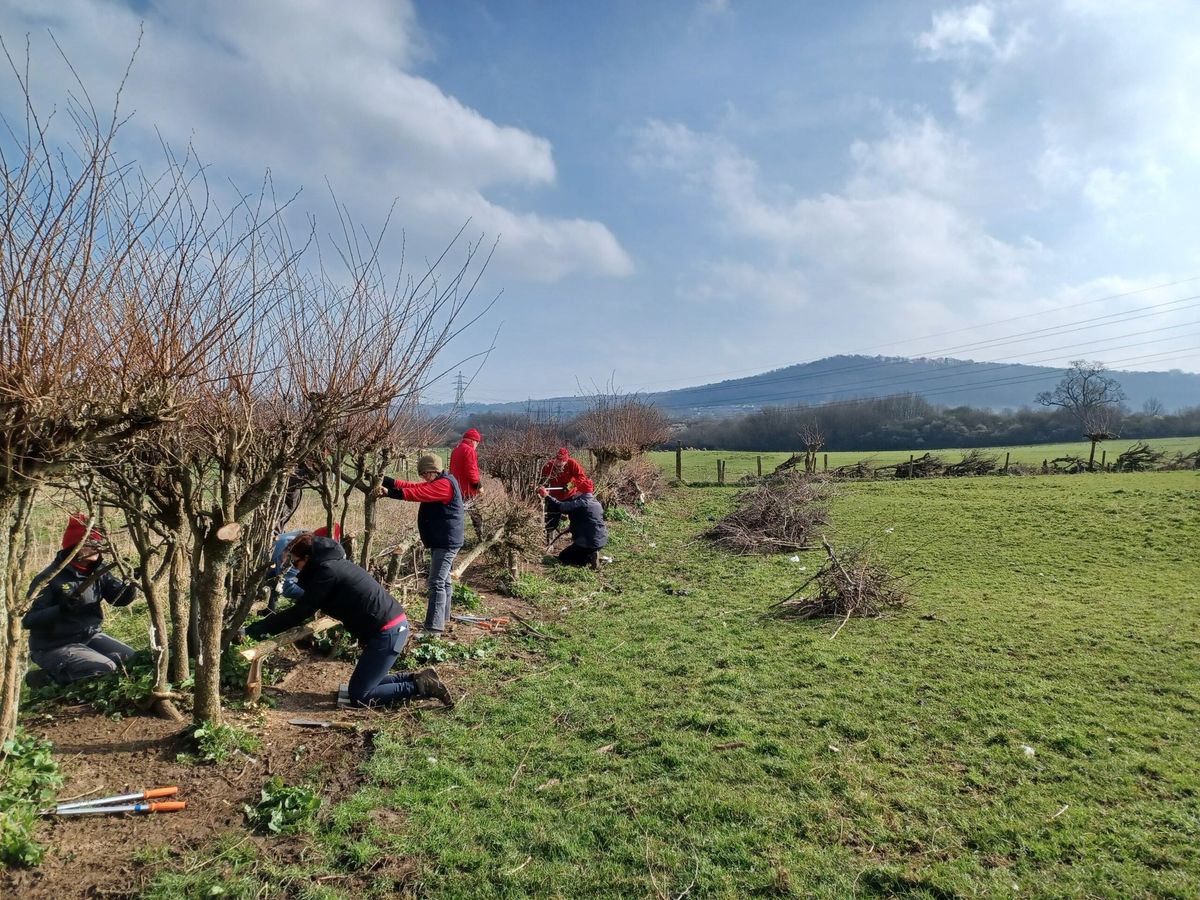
{"points": [[440, 524], [588, 532], [64, 621], [348, 593]]}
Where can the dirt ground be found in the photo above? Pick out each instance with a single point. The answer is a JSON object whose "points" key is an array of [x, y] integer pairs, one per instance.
{"points": [[98, 856]]}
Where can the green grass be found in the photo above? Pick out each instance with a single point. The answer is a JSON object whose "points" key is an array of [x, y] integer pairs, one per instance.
{"points": [[672, 740], [701, 465]]}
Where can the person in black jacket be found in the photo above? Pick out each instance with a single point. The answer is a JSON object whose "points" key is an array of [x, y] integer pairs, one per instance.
{"points": [[588, 532], [348, 593], [64, 620]]}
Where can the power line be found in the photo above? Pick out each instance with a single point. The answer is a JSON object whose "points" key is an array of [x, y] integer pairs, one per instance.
{"points": [[1041, 313]]}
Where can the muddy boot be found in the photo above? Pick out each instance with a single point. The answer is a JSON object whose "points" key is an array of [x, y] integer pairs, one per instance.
{"points": [[430, 687], [36, 678]]}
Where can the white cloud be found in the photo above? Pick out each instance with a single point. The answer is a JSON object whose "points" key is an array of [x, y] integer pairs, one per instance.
{"points": [[958, 33], [891, 235], [313, 90]]}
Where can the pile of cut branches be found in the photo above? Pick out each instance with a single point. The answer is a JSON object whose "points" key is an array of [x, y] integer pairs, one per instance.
{"points": [[779, 514], [864, 468], [1067, 465], [630, 484], [1140, 458], [1182, 460], [927, 466], [852, 584], [973, 462]]}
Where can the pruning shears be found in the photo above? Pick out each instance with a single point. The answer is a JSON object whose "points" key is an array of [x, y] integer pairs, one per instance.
{"points": [[116, 804], [487, 623]]}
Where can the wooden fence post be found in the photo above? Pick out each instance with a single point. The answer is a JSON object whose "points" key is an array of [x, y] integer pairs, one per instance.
{"points": [[826, 455], [1006, 463], [1103, 457], [759, 458], [679, 463], [910, 465]]}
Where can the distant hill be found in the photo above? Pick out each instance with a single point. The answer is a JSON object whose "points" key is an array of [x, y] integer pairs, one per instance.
{"points": [[944, 382]]}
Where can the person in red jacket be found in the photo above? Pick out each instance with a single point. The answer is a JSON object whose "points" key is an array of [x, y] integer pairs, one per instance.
{"points": [[464, 466], [560, 473]]}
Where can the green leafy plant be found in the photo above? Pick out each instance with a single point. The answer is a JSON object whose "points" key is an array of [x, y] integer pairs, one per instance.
{"points": [[215, 743], [28, 778], [432, 652], [282, 809], [335, 643], [465, 597], [526, 586], [121, 693], [618, 514]]}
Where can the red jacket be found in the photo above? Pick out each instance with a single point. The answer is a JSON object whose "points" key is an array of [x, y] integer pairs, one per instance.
{"points": [[464, 466], [569, 473]]}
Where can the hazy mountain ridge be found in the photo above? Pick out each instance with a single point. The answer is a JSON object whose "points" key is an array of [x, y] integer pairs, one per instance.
{"points": [[943, 382]]}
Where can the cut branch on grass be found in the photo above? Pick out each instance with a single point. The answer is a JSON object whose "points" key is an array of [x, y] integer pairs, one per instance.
{"points": [[780, 514], [852, 584]]}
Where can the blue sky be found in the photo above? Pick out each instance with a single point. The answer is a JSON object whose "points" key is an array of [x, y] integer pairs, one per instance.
{"points": [[685, 191]]}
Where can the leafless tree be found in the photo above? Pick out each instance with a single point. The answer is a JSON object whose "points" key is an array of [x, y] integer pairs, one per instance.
{"points": [[813, 439], [620, 426], [515, 454], [1092, 397], [103, 272]]}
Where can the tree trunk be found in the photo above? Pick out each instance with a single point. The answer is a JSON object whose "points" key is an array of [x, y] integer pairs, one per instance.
{"points": [[14, 517], [160, 643], [370, 518], [177, 591], [209, 599]]}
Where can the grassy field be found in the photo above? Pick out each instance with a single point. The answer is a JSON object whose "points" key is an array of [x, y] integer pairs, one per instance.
{"points": [[701, 465], [1037, 737]]}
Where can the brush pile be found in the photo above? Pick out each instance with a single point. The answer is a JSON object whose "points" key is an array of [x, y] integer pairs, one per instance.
{"points": [[1182, 460], [782, 513], [851, 584], [630, 484], [864, 468], [927, 466], [973, 462], [1067, 465], [1140, 458]]}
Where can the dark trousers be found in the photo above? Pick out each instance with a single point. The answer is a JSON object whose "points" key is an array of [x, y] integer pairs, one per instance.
{"points": [[74, 662], [574, 555], [371, 684]]}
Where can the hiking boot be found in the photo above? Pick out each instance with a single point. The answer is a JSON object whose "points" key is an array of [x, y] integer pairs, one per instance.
{"points": [[430, 687], [37, 678]]}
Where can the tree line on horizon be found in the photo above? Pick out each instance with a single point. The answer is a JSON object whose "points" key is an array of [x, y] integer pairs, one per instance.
{"points": [[909, 421]]}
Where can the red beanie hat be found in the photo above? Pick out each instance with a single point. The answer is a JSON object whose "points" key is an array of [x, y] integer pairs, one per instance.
{"points": [[324, 532], [76, 525], [472, 435], [564, 454], [584, 485]]}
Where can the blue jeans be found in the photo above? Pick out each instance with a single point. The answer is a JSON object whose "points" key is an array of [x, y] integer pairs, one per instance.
{"points": [[437, 613], [370, 684]]}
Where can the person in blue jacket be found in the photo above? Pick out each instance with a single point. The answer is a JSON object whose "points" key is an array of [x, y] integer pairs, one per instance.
{"points": [[588, 532], [64, 620]]}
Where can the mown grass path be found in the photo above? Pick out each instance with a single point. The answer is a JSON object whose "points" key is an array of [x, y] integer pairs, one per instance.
{"points": [[676, 741]]}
